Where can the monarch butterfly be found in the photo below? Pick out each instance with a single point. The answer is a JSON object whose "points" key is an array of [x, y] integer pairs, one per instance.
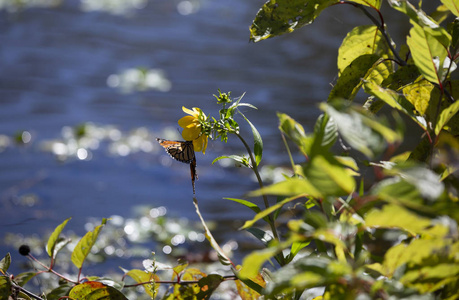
{"points": [[183, 151]]}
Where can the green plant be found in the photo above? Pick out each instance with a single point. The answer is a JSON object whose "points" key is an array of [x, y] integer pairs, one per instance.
{"points": [[376, 223]]}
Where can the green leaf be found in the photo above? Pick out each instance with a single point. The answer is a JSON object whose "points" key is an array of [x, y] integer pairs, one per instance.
{"points": [[258, 142], [290, 187], [328, 175], [350, 79], [5, 287], [440, 14], [308, 272], [425, 180], [23, 278], [247, 104], [396, 216], [428, 51], [294, 131], [326, 130], [261, 235], [441, 275], [372, 3], [252, 263], [107, 281], [207, 285], [269, 210], [277, 17], [246, 203], [296, 247], [83, 248], [250, 289], [93, 290], [404, 76], [59, 292], [453, 29], [452, 5], [240, 159], [419, 17], [141, 276], [419, 93], [361, 40], [446, 115], [395, 100], [361, 130], [54, 238], [416, 252], [5, 263]]}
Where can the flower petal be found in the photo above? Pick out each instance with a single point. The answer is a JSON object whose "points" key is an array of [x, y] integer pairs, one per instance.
{"points": [[188, 111], [185, 121], [204, 144], [190, 133], [200, 144], [197, 144]]}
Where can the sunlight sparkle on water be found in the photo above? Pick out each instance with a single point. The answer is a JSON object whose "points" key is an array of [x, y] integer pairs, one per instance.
{"points": [[26, 137], [158, 211], [82, 154]]}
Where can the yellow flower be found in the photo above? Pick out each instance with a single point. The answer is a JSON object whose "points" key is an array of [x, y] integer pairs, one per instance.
{"points": [[192, 128]]}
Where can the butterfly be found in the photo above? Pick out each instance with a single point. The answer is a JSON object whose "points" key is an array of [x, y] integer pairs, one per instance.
{"points": [[183, 151]]}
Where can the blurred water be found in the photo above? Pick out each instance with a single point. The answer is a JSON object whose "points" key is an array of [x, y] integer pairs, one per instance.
{"points": [[54, 67]]}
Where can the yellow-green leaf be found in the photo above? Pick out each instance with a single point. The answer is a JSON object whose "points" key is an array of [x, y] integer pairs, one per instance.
{"points": [[252, 263], [446, 115], [85, 244], [277, 17], [412, 253], [395, 100], [247, 293], [54, 238], [141, 276], [371, 3], [419, 94], [290, 187], [329, 176], [361, 40], [268, 211], [428, 51], [453, 6], [350, 79], [5, 287], [395, 216], [93, 290]]}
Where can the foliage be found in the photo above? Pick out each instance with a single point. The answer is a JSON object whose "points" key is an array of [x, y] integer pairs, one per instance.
{"points": [[376, 223]]}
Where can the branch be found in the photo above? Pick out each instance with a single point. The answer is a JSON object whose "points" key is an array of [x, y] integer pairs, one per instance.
{"points": [[181, 282], [23, 290], [381, 28]]}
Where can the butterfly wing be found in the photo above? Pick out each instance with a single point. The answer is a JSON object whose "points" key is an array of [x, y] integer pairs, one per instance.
{"points": [[183, 151]]}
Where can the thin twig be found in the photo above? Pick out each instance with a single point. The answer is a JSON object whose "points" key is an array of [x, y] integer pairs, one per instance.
{"points": [[380, 27], [23, 290], [181, 282]]}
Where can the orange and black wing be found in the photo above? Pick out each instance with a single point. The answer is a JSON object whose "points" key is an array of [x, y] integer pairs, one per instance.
{"points": [[182, 151]]}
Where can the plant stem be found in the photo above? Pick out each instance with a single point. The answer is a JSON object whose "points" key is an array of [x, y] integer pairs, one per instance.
{"points": [[254, 167], [381, 28], [434, 125], [23, 290], [50, 270], [289, 154]]}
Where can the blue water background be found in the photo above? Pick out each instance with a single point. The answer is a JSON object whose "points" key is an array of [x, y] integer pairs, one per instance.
{"points": [[54, 66]]}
